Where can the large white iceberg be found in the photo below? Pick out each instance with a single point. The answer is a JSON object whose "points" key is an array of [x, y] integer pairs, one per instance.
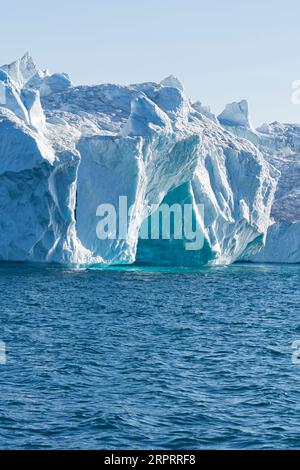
{"points": [[65, 149]]}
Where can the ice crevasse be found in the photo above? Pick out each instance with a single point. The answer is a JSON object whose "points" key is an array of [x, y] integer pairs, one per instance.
{"points": [[66, 149]]}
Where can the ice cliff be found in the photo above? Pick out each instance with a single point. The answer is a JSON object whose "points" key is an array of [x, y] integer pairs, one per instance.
{"points": [[66, 149], [280, 145]]}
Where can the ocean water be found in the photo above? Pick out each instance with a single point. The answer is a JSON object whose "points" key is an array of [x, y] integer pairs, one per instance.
{"points": [[149, 358]]}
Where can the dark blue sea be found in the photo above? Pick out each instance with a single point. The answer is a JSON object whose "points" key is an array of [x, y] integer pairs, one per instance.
{"points": [[149, 358]]}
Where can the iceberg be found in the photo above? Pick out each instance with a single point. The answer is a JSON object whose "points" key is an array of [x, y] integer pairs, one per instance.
{"points": [[65, 150], [280, 145]]}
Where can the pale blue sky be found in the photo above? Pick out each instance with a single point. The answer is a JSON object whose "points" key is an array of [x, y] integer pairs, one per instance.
{"points": [[221, 50]]}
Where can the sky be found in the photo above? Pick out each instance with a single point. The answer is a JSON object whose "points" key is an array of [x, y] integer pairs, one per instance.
{"points": [[222, 51]]}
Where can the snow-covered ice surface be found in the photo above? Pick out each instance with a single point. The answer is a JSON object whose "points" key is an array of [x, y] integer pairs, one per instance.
{"points": [[66, 149]]}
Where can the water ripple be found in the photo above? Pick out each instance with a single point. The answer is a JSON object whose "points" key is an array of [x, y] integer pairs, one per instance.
{"points": [[137, 358]]}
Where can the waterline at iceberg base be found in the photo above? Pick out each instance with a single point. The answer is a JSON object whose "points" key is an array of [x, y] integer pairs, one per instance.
{"points": [[66, 149]]}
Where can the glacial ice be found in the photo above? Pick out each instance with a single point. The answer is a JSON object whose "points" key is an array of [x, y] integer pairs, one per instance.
{"points": [[66, 149], [280, 145], [236, 115]]}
